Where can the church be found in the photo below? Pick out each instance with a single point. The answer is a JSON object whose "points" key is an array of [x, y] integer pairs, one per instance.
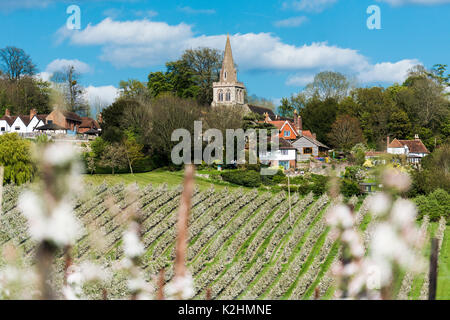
{"points": [[296, 144]]}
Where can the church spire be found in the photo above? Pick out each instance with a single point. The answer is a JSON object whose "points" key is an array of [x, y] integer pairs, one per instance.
{"points": [[228, 72]]}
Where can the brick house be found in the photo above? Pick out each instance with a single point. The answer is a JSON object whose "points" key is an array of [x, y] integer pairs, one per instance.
{"points": [[66, 119]]}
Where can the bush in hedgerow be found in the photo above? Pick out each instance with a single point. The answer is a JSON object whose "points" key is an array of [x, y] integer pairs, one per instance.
{"points": [[15, 157], [249, 178], [435, 205], [349, 188]]}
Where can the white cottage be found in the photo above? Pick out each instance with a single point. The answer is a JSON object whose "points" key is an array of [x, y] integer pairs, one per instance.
{"points": [[285, 156], [414, 150], [21, 124]]}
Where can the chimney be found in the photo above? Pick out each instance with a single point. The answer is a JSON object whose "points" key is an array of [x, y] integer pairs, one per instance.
{"points": [[314, 136], [33, 112], [7, 113], [266, 117], [388, 143], [416, 137]]}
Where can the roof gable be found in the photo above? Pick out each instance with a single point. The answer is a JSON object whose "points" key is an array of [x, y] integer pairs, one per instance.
{"points": [[395, 144]]}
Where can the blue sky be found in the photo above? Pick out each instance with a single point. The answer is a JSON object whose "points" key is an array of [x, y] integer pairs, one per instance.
{"points": [[278, 45]]}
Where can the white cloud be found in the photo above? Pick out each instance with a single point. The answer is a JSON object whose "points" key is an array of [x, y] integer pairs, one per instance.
{"points": [[134, 32], [309, 5], [101, 96], [387, 71], [45, 76], [291, 22], [144, 43], [190, 10], [60, 64], [300, 80], [423, 2]]}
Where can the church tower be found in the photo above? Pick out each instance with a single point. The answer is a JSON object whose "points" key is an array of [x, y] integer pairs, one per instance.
{"points": [[228, 91]]}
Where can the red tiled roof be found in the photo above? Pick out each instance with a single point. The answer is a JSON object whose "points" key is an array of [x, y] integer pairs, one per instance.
{"points": [[307, 133], [414, 146], [395, 144], [88, 123]]}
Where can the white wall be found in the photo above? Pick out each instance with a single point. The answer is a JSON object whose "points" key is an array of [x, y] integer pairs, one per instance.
{"points": [[270, 156], [396, 150], [4, 124], [21, 126]]}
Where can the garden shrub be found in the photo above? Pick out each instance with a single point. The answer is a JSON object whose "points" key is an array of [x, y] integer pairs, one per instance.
{"points": [[248, 178], [435, 205], [349, 188]]}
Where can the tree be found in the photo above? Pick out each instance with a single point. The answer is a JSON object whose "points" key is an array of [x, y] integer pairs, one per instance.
{"points": [[286, 109], [205, 64], [168, 114], [114, 157], [345, 133], [73, 91], [318, 116], [329, 85], [114, 124], [15, 157], [132, 89], [259, 101], [192, 76], [15, 63], [133, 150], [435, 172], [399, 125]]}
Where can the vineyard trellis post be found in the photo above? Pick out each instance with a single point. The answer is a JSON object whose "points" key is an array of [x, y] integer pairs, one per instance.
{"points": [[433, 269]]}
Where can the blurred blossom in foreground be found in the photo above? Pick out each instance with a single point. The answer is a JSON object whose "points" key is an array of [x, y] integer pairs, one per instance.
{"points": [[396, 179]]}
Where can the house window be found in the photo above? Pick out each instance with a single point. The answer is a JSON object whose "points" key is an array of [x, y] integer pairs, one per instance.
{"points": [[17, 128], [49, 121], [3, 129], [287, 133], [307, 150], [284, 152]]}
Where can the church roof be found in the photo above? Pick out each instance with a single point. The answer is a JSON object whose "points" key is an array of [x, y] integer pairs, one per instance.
{"points": [[228, 72]]}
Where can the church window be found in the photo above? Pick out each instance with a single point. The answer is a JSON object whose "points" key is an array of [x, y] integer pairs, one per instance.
{"points": [[228, 96], [225, 75], [220, 96]]}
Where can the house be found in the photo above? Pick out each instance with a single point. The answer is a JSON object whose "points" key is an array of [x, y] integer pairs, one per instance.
{"points": [[285, 156], [21, 124], [414, 150], [66, 119], [88, 125], [308, 147]]}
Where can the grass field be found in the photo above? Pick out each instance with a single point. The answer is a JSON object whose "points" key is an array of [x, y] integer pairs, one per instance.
{"points": [[443, 289], [172, 179]]}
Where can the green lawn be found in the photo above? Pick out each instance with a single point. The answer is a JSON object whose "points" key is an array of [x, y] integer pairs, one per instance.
{"points": [[443, 287], [154, 177]]}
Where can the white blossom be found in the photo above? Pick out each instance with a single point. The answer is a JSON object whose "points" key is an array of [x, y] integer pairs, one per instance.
{"points": [[180, 288], [379, 203], [58, 154], [132, 245], [59, 226], [340, 215], [394, 178]]}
